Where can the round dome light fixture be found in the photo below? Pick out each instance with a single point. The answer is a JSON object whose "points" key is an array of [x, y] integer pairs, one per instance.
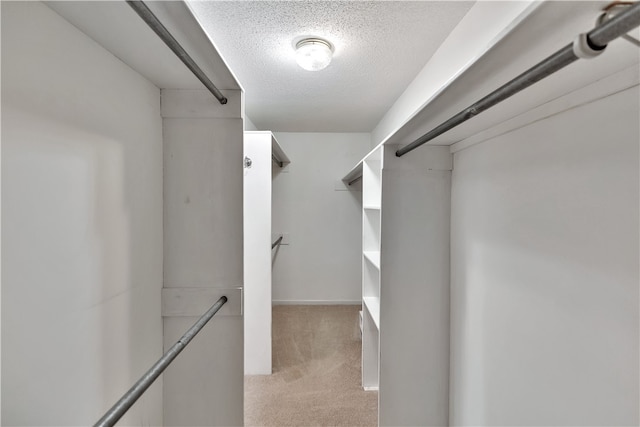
{"points": [[313, 54]]}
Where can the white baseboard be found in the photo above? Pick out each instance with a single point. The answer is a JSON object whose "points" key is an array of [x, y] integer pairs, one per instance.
{"points": [[315, 302]]}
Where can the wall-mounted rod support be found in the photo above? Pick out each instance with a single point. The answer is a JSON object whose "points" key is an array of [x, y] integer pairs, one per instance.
{"points": [[122, 406], [277, 242], [277, 161], [154, 23], [354, 180], [586, 45]]}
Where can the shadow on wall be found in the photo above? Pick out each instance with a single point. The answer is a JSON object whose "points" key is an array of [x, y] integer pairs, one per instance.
{"points": [[74, 264], [82, 225]]}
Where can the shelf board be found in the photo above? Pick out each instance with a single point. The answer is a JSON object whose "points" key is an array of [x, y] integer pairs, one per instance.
{"points": [[373, 307], [373, 257], [355, 172], [372, 207], [276, 149], [131, 43]]}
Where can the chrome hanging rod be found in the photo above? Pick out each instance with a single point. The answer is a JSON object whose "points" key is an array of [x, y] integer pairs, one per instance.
{"points": [[585, 46], [277, 161], [122, 406], [277, 242], [154, 23], [354, 180]]}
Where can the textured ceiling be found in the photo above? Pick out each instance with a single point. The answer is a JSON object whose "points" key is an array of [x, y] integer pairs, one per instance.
{"points": [[380, 46]]}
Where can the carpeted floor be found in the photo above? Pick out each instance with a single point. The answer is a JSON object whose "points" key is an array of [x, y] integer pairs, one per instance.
{"points": [[316, 372]]}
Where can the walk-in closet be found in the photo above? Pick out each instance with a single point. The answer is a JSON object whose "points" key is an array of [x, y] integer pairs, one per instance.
{"points": [[329, 213]]}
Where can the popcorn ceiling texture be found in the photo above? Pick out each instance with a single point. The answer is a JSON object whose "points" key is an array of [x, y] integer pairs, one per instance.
{"points": [[379, 49]]}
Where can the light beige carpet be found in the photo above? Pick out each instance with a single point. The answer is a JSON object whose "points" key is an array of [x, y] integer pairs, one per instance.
{"points": [[316, 372]]}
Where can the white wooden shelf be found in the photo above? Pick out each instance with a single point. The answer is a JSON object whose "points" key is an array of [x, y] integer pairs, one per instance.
{"points": [[371, 171], [373, 257], [372, 304], [276, 149], [354, 173]]}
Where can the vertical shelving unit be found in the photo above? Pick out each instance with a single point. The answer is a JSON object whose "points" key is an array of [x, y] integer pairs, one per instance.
{"points": [[371, 216], [262, 153], [405, 282]]}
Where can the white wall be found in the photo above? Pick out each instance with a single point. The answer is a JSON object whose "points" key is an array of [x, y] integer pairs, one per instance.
{"points": [[82, 225], [248, 124], [544, 292], [322, 262]]}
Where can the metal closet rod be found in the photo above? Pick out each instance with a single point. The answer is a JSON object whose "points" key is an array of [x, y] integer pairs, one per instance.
{"points": [[122, 406], [277, 160], [277, 242], [596, 40], [354, 180], [154, 23]]}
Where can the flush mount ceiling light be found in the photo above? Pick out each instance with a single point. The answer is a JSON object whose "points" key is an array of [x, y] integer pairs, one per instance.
{"points": [[313, 54]]}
